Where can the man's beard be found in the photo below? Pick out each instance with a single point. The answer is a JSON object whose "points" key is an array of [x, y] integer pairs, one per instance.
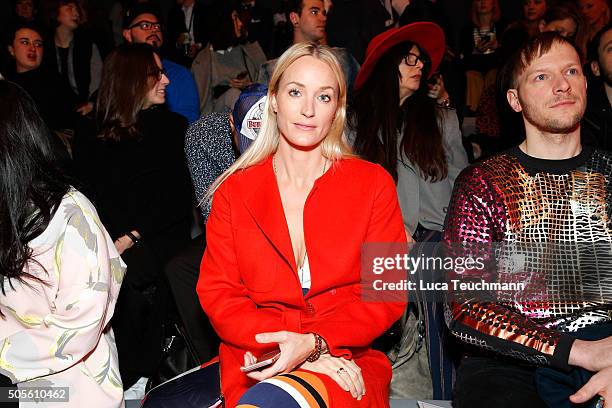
{"points": [[155, 41], [606, 77], [550, 124]]}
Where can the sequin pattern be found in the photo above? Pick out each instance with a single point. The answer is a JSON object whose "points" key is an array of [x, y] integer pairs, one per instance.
{"points": [[499, 201]]}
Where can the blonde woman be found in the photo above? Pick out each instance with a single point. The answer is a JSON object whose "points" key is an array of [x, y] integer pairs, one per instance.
{"points": [[282, 266]]}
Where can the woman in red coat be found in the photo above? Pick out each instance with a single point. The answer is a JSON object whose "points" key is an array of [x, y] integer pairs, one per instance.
{"points": [[285, 234]]}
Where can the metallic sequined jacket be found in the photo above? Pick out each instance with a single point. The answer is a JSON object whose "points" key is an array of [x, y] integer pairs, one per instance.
{"points": [[511, 200]]}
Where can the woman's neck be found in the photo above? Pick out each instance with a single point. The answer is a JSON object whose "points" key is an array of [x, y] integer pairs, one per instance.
{"points": [[297, 167], [484, 20], [63, 36], [532, 27]]}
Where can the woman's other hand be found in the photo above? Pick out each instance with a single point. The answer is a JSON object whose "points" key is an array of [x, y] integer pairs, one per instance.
{"points": [[344, 372], [85, 108], [437, 90], [240, 82], [123, 243], [294, 347]]}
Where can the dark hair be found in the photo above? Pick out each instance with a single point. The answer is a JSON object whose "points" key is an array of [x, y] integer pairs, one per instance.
{"points": [[593, 50], [377, 119], [534, 48], [31, 186], [50, 11], [126, 79], [564, 11], [10, 34], [295, 6], [223, 35], [137, 9]]}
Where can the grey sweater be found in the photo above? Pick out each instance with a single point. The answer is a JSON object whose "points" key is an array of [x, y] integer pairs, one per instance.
{"points": [[423, 202]]}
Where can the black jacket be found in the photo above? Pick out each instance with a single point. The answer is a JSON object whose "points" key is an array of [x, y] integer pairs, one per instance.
{"points": [[596, 125], [140, 184]]}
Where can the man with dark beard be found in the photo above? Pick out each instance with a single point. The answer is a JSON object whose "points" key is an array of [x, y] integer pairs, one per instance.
{"points": [[549, 344], [597, 121], [141, 25]]}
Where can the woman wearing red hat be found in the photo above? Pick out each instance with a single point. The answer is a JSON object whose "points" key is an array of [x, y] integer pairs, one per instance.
{"points": [[396, 124]]}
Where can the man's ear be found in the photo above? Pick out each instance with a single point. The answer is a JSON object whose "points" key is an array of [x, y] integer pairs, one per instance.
{"points": [[127, 35], [513, 100], [11, 50], [595, 68], [294, 18]]}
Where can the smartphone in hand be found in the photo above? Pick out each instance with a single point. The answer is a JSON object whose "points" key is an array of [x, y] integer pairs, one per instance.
{"points": [[264, 361]]}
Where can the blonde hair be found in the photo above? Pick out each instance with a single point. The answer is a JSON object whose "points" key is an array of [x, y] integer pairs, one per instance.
{"points": [[333, 147]]}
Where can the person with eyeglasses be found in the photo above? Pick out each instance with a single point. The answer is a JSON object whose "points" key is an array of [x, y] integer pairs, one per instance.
{"points": [[141, 25], [401, 122], [132, 163]]}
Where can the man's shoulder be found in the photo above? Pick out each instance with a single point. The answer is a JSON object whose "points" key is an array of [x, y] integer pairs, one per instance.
{"points": [[484, 172], [176, 71], [600, 162]]}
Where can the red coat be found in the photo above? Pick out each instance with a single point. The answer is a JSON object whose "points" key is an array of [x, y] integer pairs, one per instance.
{"points": [[248, 278]]}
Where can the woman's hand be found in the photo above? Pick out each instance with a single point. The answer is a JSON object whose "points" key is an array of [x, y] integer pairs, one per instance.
{"points": [[437, 91], [124, 242], [344, 372], [240, 83], [294, 347], [85, 108]]}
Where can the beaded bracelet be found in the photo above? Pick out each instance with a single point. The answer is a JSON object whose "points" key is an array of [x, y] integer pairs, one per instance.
{"points": [[316, 353]]}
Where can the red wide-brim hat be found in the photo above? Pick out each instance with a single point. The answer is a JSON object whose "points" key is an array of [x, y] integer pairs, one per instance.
{"points": [[428, 36]]}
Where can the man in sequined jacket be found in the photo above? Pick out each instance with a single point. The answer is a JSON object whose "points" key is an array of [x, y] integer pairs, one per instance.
{"points": [[556, 349]]}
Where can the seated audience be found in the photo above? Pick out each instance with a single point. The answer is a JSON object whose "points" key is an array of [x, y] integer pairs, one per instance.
{"points": [[498, 127], [141, 25], [566, 20], [25, 11], [518, 32], [533, 12], [308, 19], [479, 49], [229, 65], [211, 146], [597, 120], [423, 148], [72, 53], [546, 345], [133, 164], [190, 27], [54, 99], [277, 214], [60, 273], [596, 13]]}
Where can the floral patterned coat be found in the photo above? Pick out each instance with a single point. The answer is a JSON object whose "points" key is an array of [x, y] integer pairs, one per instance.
{"points": [[58, 334]]}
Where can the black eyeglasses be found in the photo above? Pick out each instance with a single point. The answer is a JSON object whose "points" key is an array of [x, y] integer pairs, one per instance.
{"points": [[146, 25], [158, 72], [413, 59]]}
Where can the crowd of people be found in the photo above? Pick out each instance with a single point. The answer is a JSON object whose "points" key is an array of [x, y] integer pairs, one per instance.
{"points": [[216, 170]]}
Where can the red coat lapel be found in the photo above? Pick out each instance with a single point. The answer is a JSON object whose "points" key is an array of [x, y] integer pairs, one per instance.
{"points": [[263, 202]]}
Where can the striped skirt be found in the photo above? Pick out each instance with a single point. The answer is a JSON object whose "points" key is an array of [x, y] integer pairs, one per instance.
{"points": [[298, 389]]}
